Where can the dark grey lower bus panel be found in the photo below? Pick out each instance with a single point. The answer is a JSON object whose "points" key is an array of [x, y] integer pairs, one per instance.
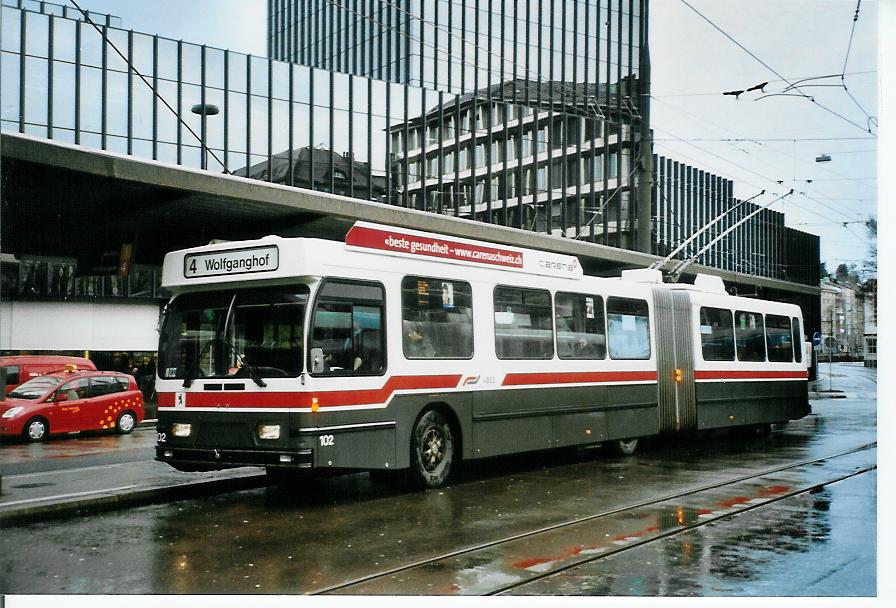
{"points": [[727, 404]]}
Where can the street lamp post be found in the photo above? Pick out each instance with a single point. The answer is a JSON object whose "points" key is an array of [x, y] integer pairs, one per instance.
{"points": [[203, 110]]}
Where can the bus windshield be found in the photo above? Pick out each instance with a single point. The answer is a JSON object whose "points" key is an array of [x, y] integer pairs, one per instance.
{"points": [[234, 333]]}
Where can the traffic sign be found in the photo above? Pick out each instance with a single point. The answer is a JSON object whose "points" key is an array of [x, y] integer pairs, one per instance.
{"points": [[816, 339]]}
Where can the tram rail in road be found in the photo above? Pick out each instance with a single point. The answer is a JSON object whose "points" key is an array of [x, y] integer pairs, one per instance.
{"points": [[575, 543]]}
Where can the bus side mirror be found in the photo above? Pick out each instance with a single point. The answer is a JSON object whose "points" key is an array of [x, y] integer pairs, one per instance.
{"points": [[317, 360]]}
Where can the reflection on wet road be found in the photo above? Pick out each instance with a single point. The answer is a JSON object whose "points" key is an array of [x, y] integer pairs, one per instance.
{"points": [[76, 451], [814, 544], [514, 562]]}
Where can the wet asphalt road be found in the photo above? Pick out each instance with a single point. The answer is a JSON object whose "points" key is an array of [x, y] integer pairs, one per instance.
{"points": [[272, 541], [76, 451]]}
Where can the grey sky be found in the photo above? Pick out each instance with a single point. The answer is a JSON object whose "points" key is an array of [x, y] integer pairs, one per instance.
{"points": [[693, 64]]}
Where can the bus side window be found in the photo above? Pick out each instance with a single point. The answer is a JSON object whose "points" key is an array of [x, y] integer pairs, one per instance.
{"points": [[580, 326], [716, 334], [779, 338], [797, 340], [750, 332], [348, 328], [436, 318], [523, 325], [628, 328]]}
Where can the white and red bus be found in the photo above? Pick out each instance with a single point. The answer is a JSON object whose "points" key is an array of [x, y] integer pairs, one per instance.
{"points": [[404, 350]]}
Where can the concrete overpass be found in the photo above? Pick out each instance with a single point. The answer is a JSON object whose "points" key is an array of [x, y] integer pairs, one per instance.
{"points": [[168, 207]]}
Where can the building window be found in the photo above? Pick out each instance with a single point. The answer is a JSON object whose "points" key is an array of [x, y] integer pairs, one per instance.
{"points": [[480, 155], [870, 345], [463, 160], [449, 161], [597, 168]]}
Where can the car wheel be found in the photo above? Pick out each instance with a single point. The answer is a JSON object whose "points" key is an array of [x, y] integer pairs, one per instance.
{"points": [[36, 429], [126, 422], [432, 451], [625, 447]]}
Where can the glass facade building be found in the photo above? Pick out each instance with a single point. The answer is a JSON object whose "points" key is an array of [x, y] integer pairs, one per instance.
{"points": [[517, 112], [460, 46], [685, 199], [534, 126]]}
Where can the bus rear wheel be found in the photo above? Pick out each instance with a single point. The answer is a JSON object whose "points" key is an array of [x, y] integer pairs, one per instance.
{"points": [[432, 451]]}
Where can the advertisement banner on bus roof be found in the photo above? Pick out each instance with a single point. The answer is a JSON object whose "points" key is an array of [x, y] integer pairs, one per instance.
{"points": [[432, 246]]}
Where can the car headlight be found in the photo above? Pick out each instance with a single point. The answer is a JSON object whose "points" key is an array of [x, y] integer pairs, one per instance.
{"points": [[13, 411], [181, 429], [269, 431]]}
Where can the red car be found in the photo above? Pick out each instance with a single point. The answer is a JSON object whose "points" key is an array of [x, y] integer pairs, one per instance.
{"points": [[67, 401]]}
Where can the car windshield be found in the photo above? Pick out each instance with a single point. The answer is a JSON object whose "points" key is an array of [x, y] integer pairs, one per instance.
{"points": [[35, 387], [234, 333]]}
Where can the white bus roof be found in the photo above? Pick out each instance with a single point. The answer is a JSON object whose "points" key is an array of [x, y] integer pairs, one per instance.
{"points": [[277, 258]]}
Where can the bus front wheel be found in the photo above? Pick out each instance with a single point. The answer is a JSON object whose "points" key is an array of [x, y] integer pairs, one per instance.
{"points": [[432, 450]]}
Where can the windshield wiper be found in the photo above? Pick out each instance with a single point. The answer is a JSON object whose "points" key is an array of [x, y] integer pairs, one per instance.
{"points": [[250, 369], [17, 395]]}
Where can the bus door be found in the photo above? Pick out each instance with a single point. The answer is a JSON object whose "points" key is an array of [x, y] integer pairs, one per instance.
{"points": [[674, 360]]}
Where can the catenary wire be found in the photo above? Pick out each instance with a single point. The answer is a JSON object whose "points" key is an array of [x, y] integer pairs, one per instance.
{"points": [[773, 70]]}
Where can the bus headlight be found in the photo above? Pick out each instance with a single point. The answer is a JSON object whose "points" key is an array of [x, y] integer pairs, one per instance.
{"points": [[181, 429], [11, 412], [269, 431]]}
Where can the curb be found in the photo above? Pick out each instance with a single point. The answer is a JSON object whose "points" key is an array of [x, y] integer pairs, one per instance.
{"points": [[110, 502]]}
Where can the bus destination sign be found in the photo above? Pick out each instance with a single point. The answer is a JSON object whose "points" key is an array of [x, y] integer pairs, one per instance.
{"points": [[231, 262]]}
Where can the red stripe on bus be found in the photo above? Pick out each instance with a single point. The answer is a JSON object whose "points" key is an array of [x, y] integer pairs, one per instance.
{"points": [[747, 375], [576, 377], [303, 399]]}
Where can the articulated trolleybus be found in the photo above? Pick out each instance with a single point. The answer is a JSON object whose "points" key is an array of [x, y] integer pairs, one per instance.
{"points": [[403, 350]]}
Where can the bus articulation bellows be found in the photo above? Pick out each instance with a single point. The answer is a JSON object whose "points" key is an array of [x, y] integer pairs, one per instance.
{"points": [[400, 350]]}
